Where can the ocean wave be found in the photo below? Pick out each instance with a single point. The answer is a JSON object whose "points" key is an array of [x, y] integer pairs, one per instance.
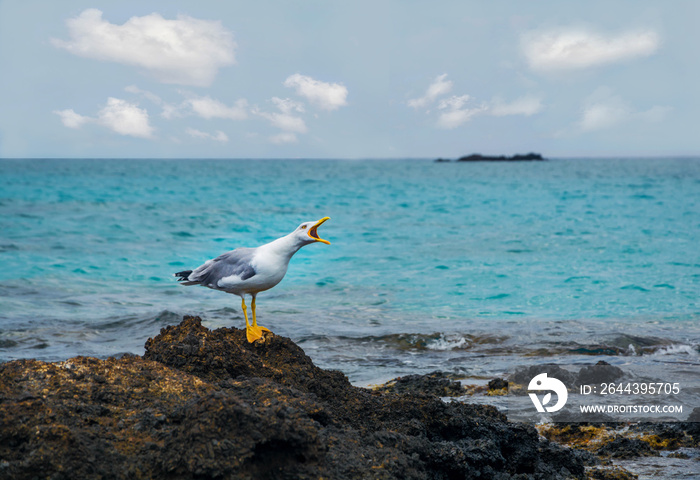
{"points": [[679, 349], [625, 345], [432, 341], [163, 318], [8, 247], [631, 345], [55, 339], [492, 344], [449, 342]]}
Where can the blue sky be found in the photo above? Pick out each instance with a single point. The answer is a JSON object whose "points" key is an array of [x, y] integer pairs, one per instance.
{"points": [[324, 79]]}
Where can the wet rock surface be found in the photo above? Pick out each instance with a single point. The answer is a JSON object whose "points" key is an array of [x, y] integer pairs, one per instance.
{"points": [[601, 372], [498, 384], [522, 376], [622, 447], [435, 383], [610, 473], [207, 404], [629, 444], [609, 449]]}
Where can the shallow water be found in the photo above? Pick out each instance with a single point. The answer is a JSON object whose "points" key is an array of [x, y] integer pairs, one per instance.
{"points": [[650, 468], [467, 268]]}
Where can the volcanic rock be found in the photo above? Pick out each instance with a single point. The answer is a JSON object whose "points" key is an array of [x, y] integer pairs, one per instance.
{"points": [[208, 404]]}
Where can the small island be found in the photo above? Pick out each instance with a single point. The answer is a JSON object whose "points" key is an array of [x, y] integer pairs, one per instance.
{"points": [[477, 157]]}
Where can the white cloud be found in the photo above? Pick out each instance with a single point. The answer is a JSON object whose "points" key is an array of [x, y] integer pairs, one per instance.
{"points": [[453, 115], [122, 117], [578, 48], [285, 119], [281, 138], [454, 102], [207, 107], [71, 119], [185, 51], [287, 105], [599, 116], [452, 110], [604, 110], [169, 112], [219, 137], [527, 105], [125, 118], [439, 87], [326, 96]]}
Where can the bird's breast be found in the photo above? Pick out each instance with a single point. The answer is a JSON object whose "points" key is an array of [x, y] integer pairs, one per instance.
{"points": [[270, 268]]}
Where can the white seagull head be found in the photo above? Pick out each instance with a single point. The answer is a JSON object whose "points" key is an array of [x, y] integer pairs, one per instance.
{"points": [[307, 232]]}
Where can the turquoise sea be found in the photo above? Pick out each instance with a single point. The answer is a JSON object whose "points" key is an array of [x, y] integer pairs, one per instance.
{"points": [[469, 268]]}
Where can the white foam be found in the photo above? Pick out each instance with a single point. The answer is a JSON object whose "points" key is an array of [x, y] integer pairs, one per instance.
{"points": [[678, 350], [448, 342]]}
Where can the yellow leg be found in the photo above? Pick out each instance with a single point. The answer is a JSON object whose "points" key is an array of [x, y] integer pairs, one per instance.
{"points": [[253, 332], [255, 320], [245, 313]]}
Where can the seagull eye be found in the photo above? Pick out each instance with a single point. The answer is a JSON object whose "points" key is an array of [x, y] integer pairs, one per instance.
{"points": [[303, 227]]}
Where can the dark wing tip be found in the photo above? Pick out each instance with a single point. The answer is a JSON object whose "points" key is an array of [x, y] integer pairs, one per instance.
{"points": [[183, 275]]}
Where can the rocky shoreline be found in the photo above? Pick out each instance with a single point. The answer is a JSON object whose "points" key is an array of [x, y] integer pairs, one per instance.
{"points": [[207, 404], [610, 450]]}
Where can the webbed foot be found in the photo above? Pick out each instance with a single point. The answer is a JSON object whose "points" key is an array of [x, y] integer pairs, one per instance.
{"points": [[255, 333]]}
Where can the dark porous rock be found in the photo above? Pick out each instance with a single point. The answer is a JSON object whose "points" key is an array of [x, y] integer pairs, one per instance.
{"points": [[692, 425], [694, 416], [435, 383], [601, 372], [587, 458], [667, 435], [498, 384], [208, 404], [623, 447], [523, 375], [610, 473]]}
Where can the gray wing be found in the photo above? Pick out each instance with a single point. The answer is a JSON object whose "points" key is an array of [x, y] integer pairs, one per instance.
{"points": [[235, 262]]}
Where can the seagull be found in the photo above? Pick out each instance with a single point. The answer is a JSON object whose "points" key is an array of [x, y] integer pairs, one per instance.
{"points": [[253, 270]]}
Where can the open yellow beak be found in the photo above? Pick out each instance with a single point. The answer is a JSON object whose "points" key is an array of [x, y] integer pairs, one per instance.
{"points": [[313, 233]]}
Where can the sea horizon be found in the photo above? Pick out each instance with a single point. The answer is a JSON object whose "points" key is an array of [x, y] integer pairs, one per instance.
{"points": [[690, 156]]}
